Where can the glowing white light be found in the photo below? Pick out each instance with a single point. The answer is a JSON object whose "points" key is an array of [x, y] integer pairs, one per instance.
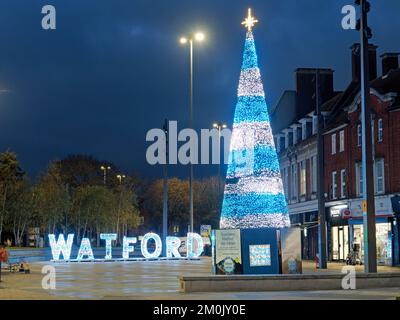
{"points": [[126, 246], [247, 135], [183, 40], [85, 250], [194, 251], [253, 196], [250, 83], [157, 251], [109, 237], [263, 184], [257, 220], [250, 21], [60, 246], [199, 36], [173, 244]]}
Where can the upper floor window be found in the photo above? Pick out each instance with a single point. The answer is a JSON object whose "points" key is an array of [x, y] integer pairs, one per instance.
{"points": [[294, 182], [334, 185], [379, 176], [303, 178], [343, 183], [359, 135], [315, 125], [333, 142], [359, 179], [380, 130], [341, 141], [286, 182], [304, 131], [313, 164]]}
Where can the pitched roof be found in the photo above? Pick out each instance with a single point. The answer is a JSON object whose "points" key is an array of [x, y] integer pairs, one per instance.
{"points": [[385, 84], [388, 83]]}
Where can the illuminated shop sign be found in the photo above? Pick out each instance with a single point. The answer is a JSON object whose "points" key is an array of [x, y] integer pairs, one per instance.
{"points": [[339, 211], [61, 247]]}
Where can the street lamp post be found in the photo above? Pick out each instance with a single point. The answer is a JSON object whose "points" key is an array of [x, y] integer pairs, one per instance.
{"points": [[320, 174], [219, 126], [165, 190], [199, 36], [370, 265], [105, 169]]}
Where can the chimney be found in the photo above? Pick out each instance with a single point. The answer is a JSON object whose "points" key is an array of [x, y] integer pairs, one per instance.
{"points": [[305, 89], [390, 61], [356, 65]]}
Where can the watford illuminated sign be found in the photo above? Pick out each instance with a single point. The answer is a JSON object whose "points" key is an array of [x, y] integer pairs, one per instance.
{"points": [[61, 247]]}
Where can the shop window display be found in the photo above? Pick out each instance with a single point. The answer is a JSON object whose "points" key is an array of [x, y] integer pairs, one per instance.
{"points": [[383, 242]]}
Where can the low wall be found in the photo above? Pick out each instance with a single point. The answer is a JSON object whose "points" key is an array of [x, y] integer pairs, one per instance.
{"points": [[44, 254], [249, 283], [28, 255]]}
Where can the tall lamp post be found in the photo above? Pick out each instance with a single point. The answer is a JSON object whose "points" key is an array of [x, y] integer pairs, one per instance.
{"points": [[370, 265], [320, 174], [165, 190], [219, 126], [105, 169], [199, 36]]}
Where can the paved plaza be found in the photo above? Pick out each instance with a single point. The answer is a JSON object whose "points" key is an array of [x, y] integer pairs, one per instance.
{"points": [[155, 280]]}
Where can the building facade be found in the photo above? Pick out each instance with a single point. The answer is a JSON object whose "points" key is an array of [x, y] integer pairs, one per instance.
{"points": [[295, 130], [295, 127], [343, 166]]}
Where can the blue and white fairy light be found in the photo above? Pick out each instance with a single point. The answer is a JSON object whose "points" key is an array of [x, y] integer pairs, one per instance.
{"points": [[108, 237], [254, 195], [85, 250], [173, 244], [195, 245], [60, 246], [128, 246], [158, 245]]}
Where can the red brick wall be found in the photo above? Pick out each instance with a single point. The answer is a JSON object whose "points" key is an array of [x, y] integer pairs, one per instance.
{"points": [[389, 149], [335, 162]]}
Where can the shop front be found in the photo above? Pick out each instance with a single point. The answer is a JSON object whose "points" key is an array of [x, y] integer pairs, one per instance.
{"points": [[385, 229], [308, 222], [384, 248], [339, 233]]}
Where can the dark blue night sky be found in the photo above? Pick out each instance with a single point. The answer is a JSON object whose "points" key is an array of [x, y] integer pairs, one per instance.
{"points": [[114, 69]]}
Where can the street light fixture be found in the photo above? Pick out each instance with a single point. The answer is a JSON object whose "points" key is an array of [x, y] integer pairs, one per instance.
{"points": [[120, 177], [105, 169], [199, 37], [369, 222]]}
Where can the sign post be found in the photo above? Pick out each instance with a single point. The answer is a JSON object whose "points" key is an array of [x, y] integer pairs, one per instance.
{"points": [[228, 253]]}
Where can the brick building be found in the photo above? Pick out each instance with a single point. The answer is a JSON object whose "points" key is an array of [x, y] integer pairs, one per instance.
{"points": [[343, 161], [295, 126]]}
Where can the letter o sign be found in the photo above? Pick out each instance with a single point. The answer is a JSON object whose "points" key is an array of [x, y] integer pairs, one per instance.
{"points": [[158, 245]]}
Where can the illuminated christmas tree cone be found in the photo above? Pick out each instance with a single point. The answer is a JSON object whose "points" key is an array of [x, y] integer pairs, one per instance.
{"points": [[253, 195]]}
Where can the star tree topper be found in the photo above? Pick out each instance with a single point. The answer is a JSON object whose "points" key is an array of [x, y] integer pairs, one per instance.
{"points": [[250, 21]]}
